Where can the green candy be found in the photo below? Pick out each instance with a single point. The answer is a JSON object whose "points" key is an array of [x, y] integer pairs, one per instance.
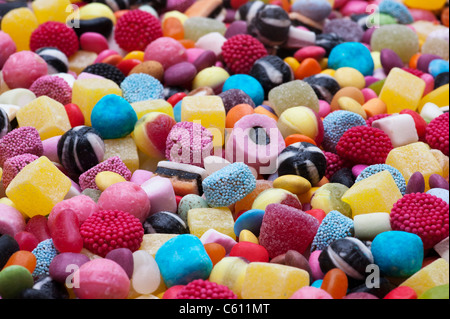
{"points": [[13, 280], [438, 292]]}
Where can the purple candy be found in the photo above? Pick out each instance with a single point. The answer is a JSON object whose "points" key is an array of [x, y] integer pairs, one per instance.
{"points": [[180, 74], [424, 61], [65, 264], [235, 28], [205, 60], [389, 60], [124, 257]]}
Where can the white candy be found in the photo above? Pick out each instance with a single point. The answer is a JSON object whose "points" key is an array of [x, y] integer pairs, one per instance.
{"points": [[19, 97], [400, 128], [430, 111], [212, 41], [214, 163], [368, 226], [442, 248], [146, 276]]}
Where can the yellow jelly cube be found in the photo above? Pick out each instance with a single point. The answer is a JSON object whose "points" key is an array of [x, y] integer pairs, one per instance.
{"points": [[414, 157], [80, 60], [376, 193], [432, 275], [209, 111], [87, 92], [19, 24], [202, 219], [152, 242], [439, 97], [230, 272], [45, 114], [402, 90], [126, 149], [51, 10], [143, 107], [272, 281], [38, 187]]}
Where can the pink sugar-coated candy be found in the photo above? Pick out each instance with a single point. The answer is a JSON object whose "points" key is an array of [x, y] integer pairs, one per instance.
{"points": [[315, 266], [7, 47], [166, 51], [38, 226], [314, 52], [127, 197], [101, 278], [324, 108], [161, 195], [354, 7], [104, 54], [368, 94], [26, 240], [93, 42], [357, 169], [422, 15], [86, 75], [11, 220], [308, 292], [51, 148], [82, 205], [65, 232], [140, 176], [213, 236], [193, 54], [22, 68]]}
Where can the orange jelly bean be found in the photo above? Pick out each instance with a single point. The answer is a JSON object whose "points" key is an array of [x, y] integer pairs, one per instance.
{"points": [[295, 138], [215, 251], [188, 44], [413, 61], [173, 28], [22, 258], [307, 68], [335, 283]]}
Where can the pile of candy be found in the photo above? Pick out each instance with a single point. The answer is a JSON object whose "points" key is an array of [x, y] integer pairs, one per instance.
{"points": [[227, 149]]}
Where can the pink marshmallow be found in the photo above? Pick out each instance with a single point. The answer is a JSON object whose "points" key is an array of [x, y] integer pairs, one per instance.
{"points": [[160, 192]]}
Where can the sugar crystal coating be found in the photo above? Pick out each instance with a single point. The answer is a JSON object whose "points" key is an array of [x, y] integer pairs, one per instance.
{"points": [[21, 140]]}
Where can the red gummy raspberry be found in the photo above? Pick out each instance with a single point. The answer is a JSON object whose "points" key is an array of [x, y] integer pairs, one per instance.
{"points": [[364, 145], [422, 214], [205, 289], [240, 53], [334, 163], [57, 35], [106, 230], [136, 29], [372, 119], [437, 133]]}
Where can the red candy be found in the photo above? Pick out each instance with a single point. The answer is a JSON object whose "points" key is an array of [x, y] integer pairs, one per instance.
{"points": [[76, 117], [57, 35], [177, 97], [125, 66], [37, 225], [437, 133], [66, 233], [420, 123], [26, 240], [319, 214], [250, 251], [401, 292], [205, 289]]}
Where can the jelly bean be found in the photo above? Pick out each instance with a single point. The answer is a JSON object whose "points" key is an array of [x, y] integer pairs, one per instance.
{"points": [[22, 258], [65, 232], [215, 251]]}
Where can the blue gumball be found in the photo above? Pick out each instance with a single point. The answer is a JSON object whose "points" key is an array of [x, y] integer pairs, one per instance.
{"points": [[248, 84], [354, 55]]}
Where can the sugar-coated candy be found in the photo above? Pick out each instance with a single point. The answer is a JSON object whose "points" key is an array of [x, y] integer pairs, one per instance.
{"points": [[328, 198], [108, 71], [161, 194], [303, 159], [82, 205], [185, 178], [247, 83], [438, 292], [373, 169], [354, 255], [220, 219], [275, 195], [140, 87], [432, 275], [351, 54], [22, 68], [45, 251], [11, 220]]}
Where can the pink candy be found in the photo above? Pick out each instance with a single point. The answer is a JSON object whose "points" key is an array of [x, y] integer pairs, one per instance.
{"points": [[311, 293], [166, 51], [82, 205], [11, 220], [22, 68], [93, 42], [65, 232]]}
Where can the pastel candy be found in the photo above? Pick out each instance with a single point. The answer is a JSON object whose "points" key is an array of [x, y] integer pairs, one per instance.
{"points": [[11, 220], [152, 242], [432, 275], [351, 54], [124, 257], [183, 259], [214, 236], [143, 107], [201, 220], [368, 226], [146, 276], [246, 83], [64, 263], [275, 195], [230, 272], [400, 128], [188, 202], [82, 205], [125, 148], [161, 194], [442, 248]]}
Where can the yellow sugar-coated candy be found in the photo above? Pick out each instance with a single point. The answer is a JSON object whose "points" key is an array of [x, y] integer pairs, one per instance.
{"points": [[209, 111], [230, 272], [414, 157], [96, 10], [440, 97], [376, 193], [52, 10], [143, 107], [87, 92], [38, 187], [432, 275], [272, 281], [45, 114], [427, 5], [443, 161], [402, 90], [246, 235], [105, 179], [81, 60], [202, 219], [152, 242], [126, 149], [20, 24]]}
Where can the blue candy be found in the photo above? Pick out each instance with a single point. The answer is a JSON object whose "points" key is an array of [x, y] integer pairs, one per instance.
{"points": [[334, 226], [113, 117], [250, 220], [396, 175], [352, 54], [397, 10], [248, 84], [317, 283], [437, 67], [141, 87], [397, 253], [182, 259], [177, 111], [228, 185], [44, 252], [336, 124]]}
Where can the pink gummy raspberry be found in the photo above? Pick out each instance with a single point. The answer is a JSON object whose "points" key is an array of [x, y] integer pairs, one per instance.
{"points": [[112, 164], [334, 163], [205, 289], [437, 133], [54, 87], [14, 165], [422, 214], [19, 141], [189, 143]]}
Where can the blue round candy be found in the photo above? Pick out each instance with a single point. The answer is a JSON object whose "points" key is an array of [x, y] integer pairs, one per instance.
{"points": [[113, 117], [352, 54], [141, 87], [397, 10], [177, 111], [397, 253], [250, 220], [44, 252], [248, 84], [437, 67]]}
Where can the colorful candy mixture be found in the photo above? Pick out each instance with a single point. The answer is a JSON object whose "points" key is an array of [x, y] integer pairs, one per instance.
{"points": [[224, 149]]}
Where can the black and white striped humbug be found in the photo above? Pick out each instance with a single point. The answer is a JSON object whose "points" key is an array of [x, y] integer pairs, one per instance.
{"points": [[303, 159], [5, 125], [165, 223], [80, 149], [271, 71], [349, 254], [270, 25], [249, 10], [57, 61], [324, 85]]}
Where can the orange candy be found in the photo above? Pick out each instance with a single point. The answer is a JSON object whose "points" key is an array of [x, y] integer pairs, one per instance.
{"points": [[215, 251], [247, 202], [444, 17], [348, 91], [236, 113], [120, 13], [113, 59], [188, 44], [413, 60], [307, 68], [264, 111], [22, 258], [295, 138], [374, 107], [173, 28], [335, 283]]}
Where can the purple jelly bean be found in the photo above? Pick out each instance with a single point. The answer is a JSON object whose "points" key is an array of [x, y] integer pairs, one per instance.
{"points": [[416, 184]]}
